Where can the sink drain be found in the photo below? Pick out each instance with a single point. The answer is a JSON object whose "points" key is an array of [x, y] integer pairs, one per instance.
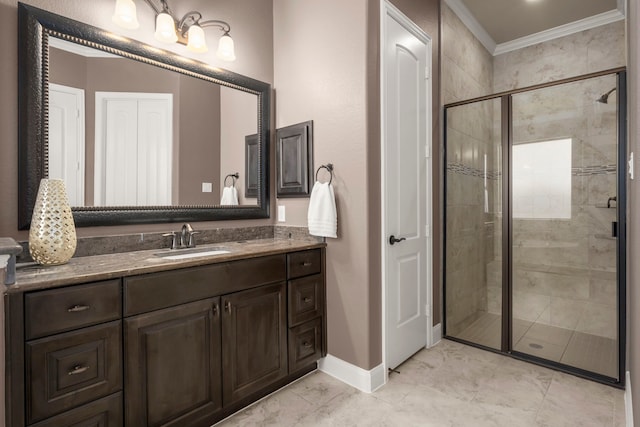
{"points": [[536, 346]]}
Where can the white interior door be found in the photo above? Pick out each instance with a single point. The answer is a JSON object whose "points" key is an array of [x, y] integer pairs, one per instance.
{"points": [[133, 149], [406, 172], [66, 139]]}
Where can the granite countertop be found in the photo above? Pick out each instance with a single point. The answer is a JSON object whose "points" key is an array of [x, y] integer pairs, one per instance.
{"points": [[31, 276]]}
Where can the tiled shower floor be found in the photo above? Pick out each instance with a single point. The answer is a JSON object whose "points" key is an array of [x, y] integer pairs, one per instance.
{"points": [[585, 351]]}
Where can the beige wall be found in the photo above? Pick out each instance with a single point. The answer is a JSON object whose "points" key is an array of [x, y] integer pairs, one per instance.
{"points": [[633, 231], [331, 77], [321, 75], [252, 26]]}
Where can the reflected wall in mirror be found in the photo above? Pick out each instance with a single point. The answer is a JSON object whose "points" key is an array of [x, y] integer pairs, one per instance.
{"points": [[139, 135]]}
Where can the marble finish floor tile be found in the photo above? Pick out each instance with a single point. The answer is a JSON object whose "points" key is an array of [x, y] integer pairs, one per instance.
{"points": [[571, 347], [450, 384]]}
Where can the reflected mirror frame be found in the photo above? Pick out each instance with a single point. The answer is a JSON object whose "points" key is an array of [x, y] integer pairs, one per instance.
{"points": [[35, 26]]}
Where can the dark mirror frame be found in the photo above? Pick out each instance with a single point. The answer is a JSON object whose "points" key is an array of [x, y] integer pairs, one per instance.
{"points": [[35, 26]]}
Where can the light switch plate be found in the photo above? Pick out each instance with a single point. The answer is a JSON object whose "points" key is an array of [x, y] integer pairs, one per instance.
{"points": [[207, 187], [281, 213]]}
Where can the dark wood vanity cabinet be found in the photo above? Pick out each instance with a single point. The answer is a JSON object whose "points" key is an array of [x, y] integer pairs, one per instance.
{"points": [[307, 320], [172, 368], [184, 347], [254, 340]]}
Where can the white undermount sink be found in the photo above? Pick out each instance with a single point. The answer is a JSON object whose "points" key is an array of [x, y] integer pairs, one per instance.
{"points": [[191, 253]]}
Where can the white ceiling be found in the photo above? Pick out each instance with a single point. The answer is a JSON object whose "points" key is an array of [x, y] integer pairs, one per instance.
{"points": [[506, 25]]}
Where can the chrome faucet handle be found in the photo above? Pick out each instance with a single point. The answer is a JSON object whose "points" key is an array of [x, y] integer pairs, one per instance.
{"points": [[174, 240], [192, 242]]}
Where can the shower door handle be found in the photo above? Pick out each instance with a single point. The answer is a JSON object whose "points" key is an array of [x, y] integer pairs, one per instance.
{"points": [[614, 229], [393, 240]]}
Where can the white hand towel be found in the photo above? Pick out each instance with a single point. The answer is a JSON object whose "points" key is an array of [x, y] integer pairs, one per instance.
{"points": [[322, 216], [229, 196]]}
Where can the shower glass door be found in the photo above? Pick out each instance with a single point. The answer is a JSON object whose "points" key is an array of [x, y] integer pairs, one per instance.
{"points": [[564, 210], [473, 261]]}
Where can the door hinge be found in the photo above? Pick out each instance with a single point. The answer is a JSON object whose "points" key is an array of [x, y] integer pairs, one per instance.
{"points": [[427, 231], [77, 114], [427, 151], [427, 310], [427, 73]]}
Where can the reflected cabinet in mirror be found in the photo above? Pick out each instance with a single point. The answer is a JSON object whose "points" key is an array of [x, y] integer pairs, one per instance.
{"points": [[138, 134]]}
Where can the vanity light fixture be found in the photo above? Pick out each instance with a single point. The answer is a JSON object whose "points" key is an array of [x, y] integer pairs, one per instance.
{"points": [[188, 30]]}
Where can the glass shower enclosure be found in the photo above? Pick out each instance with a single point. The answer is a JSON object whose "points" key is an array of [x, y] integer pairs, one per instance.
{"points": [[534, 211]]}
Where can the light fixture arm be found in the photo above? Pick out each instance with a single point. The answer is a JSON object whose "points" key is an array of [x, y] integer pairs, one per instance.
{"points": [[216, 23], [169, 29], [190, 18]]}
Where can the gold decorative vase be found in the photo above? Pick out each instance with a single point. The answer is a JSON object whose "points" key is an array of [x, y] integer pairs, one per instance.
{"points": [[52, 236]]}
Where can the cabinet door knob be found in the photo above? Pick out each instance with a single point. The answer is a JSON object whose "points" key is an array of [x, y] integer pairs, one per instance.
{"points": [[215, 309], [78, 308], [306, 344], [77, 370], [306, 300], [227, 306]]}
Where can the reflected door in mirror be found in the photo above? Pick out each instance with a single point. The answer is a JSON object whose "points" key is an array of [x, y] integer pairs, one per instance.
{"points": [[134, 149]]}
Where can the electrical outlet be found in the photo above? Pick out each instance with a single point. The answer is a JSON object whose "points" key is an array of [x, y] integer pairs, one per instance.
{"points": [[207, 187], [281, 213]]}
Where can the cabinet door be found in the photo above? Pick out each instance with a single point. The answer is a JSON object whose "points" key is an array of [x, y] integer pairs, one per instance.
{"points": [[172, 368], [254, 340]]}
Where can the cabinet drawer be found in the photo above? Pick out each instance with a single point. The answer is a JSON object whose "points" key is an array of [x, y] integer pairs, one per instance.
{"points": [[106, 412], [58, 310], [70, 369], [306, 297], [305, 344], [304, 263]]}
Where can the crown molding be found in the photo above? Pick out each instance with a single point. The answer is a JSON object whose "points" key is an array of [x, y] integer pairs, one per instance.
{"points": [[472, 24], [561, 31], [461, 11]]}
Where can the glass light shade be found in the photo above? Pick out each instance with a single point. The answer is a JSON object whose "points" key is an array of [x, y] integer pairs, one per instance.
{"points": [[125, 15], [165, 28], [197, 42], [226, 50]]}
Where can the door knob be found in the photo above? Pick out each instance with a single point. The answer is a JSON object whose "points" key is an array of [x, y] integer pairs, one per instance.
{"points": [[393, 240]]}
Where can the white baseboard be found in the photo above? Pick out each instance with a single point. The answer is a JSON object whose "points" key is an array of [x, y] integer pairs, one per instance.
{"points": [[363, 380], [628, 406], [437, 334]]}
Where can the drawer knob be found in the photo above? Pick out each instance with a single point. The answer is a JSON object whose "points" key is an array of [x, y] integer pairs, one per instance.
{"points": [[78, 308], [306, 344], [77, 370], [307, 264], [227, 306], [306, 300]]}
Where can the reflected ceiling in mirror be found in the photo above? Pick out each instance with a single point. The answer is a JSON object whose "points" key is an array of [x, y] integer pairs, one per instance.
{"points": [[160, 135]]}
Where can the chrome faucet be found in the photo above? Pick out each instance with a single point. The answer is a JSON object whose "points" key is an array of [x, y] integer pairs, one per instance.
{"points": [[183, 239], [186, 236]]}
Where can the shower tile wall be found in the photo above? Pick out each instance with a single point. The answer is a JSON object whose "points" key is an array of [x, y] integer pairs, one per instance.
{"points": [[588, 51], [572, 287], [564, 270], [471, 135]]}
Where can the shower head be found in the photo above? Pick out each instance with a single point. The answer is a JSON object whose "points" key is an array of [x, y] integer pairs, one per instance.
{"points": [[605, 97]]}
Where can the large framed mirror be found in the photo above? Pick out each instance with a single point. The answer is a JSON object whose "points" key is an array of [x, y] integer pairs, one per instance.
{"points": [[139, 134]]}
